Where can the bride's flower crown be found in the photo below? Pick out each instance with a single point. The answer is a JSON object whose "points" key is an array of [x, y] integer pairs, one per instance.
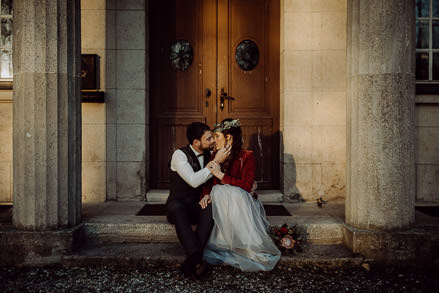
{"points": [[226, 125]]}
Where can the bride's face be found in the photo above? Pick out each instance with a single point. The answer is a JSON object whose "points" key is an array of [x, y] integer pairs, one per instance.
{"points": [[220, 140]]}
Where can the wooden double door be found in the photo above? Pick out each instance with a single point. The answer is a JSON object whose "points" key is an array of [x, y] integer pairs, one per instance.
{"points": [[210, 60]]}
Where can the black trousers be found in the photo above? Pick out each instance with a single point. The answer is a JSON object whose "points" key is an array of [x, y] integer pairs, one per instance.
{"points": [[183, 214]]}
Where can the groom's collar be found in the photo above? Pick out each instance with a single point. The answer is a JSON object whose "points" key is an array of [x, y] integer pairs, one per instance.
{"points": [[195, 152]]}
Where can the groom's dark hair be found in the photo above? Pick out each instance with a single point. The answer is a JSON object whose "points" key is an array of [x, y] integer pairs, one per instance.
{"points": [[196, 131]]}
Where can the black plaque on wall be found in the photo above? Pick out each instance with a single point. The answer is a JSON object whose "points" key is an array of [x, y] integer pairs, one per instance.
{"points": [[88, 71], [89, 79]]}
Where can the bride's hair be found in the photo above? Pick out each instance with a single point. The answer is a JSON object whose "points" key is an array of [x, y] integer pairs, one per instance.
{"points": [[237, 139]]}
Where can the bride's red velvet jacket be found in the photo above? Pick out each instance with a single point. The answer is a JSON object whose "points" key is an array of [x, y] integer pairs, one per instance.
{"points": [[242, 173]]}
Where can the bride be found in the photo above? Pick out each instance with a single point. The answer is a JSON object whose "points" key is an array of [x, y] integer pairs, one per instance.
{"points": [[239, 237]]}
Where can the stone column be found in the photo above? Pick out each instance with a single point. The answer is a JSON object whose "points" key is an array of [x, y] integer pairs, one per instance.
{"points": [[46, 114], [380, 131], [380, 114]]}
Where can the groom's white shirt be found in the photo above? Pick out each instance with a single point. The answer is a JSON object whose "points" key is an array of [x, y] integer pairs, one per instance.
{"points": [[180, 164]]}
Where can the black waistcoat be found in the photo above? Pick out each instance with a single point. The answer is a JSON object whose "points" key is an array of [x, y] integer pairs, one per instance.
{"points": [[179, 188]]}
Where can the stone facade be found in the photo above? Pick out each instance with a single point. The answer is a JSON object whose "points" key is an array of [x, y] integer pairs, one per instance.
{"points": [[115, 148], [350, 128], [427, 149], [313, 99], [94, 155], [6, 146], [115, 133], [128, 152]]}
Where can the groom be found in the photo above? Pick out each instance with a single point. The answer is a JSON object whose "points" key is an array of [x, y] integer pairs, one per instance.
{"points": [[183, 206]]}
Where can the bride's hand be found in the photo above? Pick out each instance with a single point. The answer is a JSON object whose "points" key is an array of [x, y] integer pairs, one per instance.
{"points": [[205, 201], [254, 187], [222, 154], [215, 169]]}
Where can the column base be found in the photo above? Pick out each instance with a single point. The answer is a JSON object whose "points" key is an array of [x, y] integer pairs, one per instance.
{"points": [[26, 248], [412, 247]]}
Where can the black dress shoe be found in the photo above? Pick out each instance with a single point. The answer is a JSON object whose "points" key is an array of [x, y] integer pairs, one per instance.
{"points": [[201, 269], [187, 268]]}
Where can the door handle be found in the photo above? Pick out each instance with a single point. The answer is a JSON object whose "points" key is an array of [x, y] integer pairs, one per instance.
{"points": [[224, 97]]}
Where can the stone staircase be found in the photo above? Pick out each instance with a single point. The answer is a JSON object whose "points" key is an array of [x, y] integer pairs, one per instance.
{"points": [[116, 235], [117, 221]]}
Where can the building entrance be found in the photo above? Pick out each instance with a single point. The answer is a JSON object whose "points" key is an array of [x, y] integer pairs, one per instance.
{"points": [[212, 60]]}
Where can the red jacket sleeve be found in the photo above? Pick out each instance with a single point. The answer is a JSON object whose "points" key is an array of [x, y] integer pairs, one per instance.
{"points": [[247, 175]]}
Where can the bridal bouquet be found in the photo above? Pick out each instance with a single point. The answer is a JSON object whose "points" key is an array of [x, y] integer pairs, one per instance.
{"points": [[286, 238]]}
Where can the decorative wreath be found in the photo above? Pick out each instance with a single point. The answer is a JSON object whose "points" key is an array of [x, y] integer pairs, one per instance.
{"points": [[181, 55], [247, 55]]}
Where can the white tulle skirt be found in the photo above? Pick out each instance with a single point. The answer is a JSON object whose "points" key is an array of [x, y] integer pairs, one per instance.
{"points": [[239, 237]]}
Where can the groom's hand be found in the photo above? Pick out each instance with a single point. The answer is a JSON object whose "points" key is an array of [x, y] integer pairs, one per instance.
{"points": [[205, 201], [222, 154]]}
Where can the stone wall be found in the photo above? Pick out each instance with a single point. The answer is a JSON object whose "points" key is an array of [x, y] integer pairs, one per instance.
{"points": [[427, 149], [114, 133], [5, 146], [313, 111], [94, 159], [126, 105], [313, 98]]}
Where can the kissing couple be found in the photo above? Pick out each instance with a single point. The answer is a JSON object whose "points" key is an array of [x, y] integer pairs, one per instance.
{"points": [[213, 187]]}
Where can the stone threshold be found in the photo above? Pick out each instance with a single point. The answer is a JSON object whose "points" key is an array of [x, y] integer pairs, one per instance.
{"points": [[160, 195]]}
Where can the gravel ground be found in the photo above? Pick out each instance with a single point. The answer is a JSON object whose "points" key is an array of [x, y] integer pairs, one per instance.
{"points": [[166, 278]]}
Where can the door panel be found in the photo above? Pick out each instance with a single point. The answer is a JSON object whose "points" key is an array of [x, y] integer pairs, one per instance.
{"points": [[179, 90], [175, 95], [246, 23], [255, 92], [214, 29]]}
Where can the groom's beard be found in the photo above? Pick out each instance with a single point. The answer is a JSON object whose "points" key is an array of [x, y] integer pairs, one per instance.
{"points": [[205, 149], [209, 148]]}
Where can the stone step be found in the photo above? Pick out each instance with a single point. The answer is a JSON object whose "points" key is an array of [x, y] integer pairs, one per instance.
{"points": [[157, 229], [120, 254], [117, 222], [160, 195]]}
